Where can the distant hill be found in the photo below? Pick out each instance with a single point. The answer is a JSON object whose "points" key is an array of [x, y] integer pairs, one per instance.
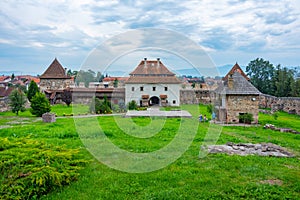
{"points": [[223, 70], [8, 73]]}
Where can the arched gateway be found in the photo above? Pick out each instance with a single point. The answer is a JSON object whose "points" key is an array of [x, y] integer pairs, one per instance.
{"points": [[154, 101]]}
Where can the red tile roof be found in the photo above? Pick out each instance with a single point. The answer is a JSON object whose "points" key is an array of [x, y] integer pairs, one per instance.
{"points": [[55, 70], [236, 68], [152, 67], [2, 78], [107, 79], [152, 71], [153, 79], [4, 92]]}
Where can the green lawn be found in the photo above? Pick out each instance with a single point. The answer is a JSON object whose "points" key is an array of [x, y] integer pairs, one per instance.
{"points": [[216, 176]]}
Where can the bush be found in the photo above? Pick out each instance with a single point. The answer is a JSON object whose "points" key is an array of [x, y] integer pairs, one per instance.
{"points": [[246, 118], [39, 104], [209, 108], [132, 105], [100, 106], [31, 168]]}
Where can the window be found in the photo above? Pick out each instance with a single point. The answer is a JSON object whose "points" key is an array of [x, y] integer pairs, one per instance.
{"points": [[174, 101], [132, 89], [166, 88], [154, 88], [141, 88]]}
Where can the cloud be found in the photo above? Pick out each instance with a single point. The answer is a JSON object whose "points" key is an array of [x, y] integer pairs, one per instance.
{"points": [[69, 29]]}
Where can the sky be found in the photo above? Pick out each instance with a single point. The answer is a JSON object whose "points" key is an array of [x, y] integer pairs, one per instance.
{"points": [[34, 32]]}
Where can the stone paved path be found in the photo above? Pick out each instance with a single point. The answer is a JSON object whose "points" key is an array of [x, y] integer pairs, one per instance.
{"points": [[155, 112]]}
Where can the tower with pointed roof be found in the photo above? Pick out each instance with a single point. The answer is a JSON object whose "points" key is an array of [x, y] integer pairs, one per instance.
{"points": [[236, 96], [55, 77], [152, 83]]}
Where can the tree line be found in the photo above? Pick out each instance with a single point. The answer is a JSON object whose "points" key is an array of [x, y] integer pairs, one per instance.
{"points": [[274, 80]]}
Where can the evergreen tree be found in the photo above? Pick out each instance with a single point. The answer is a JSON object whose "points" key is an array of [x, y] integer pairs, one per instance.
{"points": [[116, 83], [39, 104], [32, 90], [17, 101]]}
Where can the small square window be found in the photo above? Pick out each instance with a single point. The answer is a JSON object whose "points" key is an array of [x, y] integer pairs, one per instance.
{"points": [[166, 88], [141, 88], [174, 101], [132, 89], [154, 88]]}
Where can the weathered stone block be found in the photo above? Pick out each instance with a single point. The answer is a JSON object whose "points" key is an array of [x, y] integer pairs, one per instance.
{"points": [[48, 117]]}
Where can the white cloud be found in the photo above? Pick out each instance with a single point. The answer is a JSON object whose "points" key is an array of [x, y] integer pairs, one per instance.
{"points": [[228, 27]]}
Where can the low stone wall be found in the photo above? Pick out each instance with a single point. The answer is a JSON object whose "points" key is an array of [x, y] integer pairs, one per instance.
{"points": [[288, 104], [4, 104]]}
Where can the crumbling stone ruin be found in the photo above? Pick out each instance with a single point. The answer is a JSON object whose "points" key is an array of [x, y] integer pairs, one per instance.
{"points": [[243, 149]]}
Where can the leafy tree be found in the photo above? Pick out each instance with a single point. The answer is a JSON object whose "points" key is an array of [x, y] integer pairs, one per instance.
{"points": [[32, 90], [39, 104], [87, 76], [283, 81], [261, 73], [21, 87], [67, 96], [116, 83], [295, 90], [72, 73], [17, 101]]}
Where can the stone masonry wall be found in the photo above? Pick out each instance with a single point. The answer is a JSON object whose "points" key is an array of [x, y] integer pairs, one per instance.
{"points": [[55, 84], [4, 104], [287, 104], [194, 96], [237, 104]]}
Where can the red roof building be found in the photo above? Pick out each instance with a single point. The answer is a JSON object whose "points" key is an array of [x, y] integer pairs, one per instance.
{"points": [[55, 77]]}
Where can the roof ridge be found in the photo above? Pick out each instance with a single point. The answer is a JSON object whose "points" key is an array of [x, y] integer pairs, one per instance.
{"points": [[55, 70], [151, 67]]}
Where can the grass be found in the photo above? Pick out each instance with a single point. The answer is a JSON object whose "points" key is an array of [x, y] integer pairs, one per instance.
{"points": [[216, 176]]}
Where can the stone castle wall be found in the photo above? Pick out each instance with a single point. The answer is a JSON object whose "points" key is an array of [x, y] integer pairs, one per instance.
{"points": [[287, 104], [55, 84], [190, 96]]}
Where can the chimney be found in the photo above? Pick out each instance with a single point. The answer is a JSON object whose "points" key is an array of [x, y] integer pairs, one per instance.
{"points": [[66, 72], [230, 82], [145, 62], [158, 62]]}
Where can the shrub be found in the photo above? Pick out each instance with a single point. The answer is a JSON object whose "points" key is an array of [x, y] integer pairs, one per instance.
{"points": [[246, 118], [31, 168], [100, 106], [132, 105], [39, 104], [209, 108], [275, 115], [122, 106]]}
